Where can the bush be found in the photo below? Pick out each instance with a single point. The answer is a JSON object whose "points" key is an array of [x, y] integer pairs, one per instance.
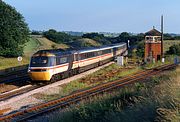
{"points": [[174, 50]]}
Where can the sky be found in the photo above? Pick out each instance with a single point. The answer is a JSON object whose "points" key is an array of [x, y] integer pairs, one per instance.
{"points": [[134, 16]]}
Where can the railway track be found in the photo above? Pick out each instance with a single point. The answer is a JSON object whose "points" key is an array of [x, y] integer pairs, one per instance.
{"points": [[10, 94], [7, 95], [14, 77], [80, 95]]}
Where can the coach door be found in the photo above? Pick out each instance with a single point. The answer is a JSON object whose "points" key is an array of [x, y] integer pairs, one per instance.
{"points": [[71, 59], [114, 52]]}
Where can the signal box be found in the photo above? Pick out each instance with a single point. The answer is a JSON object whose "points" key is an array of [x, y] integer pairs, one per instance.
{"points": [[153, 45]]}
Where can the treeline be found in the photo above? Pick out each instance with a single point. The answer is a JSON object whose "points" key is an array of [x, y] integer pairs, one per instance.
{"points": [[61, 37], [58, 37], [77, 41], [171, 37], [136, 41]]}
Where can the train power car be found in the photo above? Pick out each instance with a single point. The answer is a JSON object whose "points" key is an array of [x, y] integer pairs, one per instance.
{"points": [[46, 65]]}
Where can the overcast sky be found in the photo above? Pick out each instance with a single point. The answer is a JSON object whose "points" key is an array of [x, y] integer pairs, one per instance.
{"points": [[99, 15]]}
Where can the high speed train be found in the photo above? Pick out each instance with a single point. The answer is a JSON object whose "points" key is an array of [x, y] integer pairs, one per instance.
{"points": [[47, 65]]}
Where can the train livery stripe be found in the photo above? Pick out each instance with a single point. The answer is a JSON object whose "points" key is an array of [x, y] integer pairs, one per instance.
{"points": [[96, 57]]}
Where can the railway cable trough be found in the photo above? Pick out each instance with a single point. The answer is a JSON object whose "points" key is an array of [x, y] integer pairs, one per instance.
{"points": [[37, 110]]}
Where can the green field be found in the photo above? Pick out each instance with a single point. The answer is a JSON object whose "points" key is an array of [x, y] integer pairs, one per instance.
{"points": [[40, 43], [85, 42], [12, 62], [31, 47]]}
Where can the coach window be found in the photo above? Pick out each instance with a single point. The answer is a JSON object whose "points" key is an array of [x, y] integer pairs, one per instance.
{"points": [[106, 51], [90, 54], [95, 54], [82, 56], [99, 52], [63, 60], [86, 55], [57, 60], [103, 52]]}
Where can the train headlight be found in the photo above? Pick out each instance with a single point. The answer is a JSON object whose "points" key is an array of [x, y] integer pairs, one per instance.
{"points": [[38, 70], [44, 70], [29, 70]]}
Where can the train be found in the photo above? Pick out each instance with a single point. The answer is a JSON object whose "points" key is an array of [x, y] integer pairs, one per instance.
{"points": [[54, 64]]}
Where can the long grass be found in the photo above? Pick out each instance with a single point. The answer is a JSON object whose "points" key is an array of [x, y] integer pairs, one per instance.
{"points": [[157, 99], [12, 62]]}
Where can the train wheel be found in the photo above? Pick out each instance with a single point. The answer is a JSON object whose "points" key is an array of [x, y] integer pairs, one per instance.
{"points": [[70, 73], [53, 79]]}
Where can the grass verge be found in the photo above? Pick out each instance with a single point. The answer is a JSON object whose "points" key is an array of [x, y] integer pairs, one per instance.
{"points": [[157, 99]]}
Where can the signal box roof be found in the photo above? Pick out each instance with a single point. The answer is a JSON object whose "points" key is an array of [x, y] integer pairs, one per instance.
{"points": [[153, 32]]}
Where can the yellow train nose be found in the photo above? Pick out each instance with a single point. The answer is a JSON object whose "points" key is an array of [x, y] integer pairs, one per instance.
{"points": [[40, 76]]}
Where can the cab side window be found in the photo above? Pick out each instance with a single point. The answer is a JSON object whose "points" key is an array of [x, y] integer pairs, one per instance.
{"points": [[63, 60], [51, 61]]}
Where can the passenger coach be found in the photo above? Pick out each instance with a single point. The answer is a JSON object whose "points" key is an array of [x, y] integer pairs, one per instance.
{"points": [[46, 65]]}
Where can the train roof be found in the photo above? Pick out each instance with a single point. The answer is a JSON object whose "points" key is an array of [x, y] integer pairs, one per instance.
{"points": [[53, 52], [58, 52], [102, 47]]}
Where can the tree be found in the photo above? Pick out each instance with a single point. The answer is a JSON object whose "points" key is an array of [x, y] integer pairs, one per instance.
{"points": [[97, 37], [140, 49], [134, 39], [13, 31], [36, 32], [174, 50], [58, 37], [168, 37]]}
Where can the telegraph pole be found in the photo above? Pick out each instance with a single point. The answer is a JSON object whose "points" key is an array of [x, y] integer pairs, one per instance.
{"points": [[162, 26]]}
